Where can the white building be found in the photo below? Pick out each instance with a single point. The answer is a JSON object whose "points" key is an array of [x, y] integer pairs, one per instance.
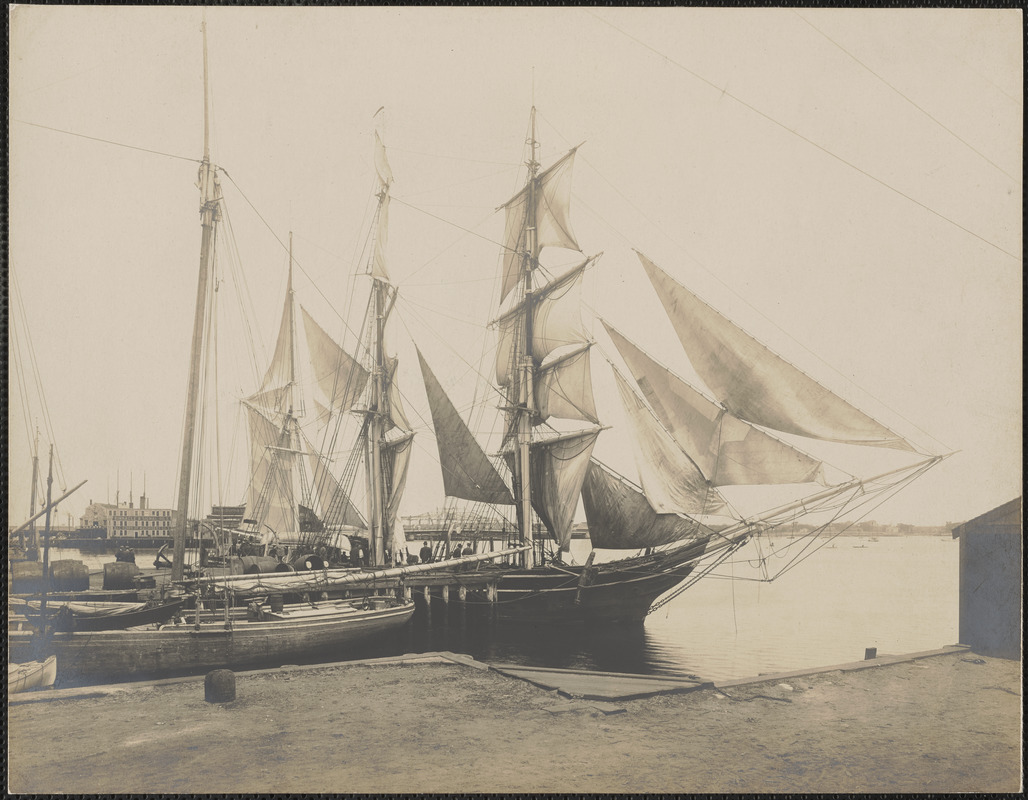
{"points": [[126, 521]]}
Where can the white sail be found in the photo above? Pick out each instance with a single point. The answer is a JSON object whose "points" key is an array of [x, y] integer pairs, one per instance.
{"points": [[340, 377], [564, 388], [671, 480], [556, 320], [271, 497], [336, 508], [558, 469], [755, 384], [552, 215], [726, 449]]}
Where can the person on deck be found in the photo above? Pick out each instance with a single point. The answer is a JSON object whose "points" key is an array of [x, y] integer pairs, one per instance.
{"points": [[425, 554], [468, 550]]}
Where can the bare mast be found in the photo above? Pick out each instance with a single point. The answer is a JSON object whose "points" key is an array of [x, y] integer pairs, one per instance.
{"points": [[209, 214]]}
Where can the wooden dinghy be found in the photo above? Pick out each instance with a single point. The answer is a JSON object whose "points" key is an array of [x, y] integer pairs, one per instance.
{"points": [[294, 633], [31, 675], [78, 616]]}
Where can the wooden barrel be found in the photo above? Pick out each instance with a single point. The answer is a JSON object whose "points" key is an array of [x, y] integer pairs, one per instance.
{"points": [[252, 565], [119, 575], [26, 577], [68, 575]]}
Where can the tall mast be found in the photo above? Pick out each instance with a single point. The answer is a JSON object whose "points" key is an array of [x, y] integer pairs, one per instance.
{"points": [[46, 543], [527, 367], [208, 218], [35, 478]]}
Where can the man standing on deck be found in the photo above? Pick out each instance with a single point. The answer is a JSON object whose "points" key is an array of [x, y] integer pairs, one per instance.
{"points": [[425, 555]]}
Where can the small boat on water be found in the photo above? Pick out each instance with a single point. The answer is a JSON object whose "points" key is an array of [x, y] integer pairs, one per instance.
{"points": [[31, 675], [74, 616], [264, 638]]}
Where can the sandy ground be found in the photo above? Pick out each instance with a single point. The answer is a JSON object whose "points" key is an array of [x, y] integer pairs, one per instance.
{"points": [[939, 724]]}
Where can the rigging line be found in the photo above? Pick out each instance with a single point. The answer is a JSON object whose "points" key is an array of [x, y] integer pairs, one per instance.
{"points": [[37, 380], [455, 225], [108, 141], [725, 93], [286, 248], [456, 158], [915, 105]]}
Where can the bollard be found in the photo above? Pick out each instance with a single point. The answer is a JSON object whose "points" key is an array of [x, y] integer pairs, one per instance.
{"points": [[219, 686], [870, 652]]}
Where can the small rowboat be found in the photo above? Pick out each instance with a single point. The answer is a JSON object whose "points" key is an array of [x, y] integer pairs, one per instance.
{"points": [[104, 616], [31, 675]]}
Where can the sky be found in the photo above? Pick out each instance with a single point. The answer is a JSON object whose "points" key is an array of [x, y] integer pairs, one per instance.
{"points": [[844, 184]]}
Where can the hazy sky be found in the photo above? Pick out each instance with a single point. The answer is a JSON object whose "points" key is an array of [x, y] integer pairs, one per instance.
{"points": [[843, 183]]}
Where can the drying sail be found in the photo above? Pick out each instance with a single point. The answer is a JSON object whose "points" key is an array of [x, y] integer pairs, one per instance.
{"points": [[271, 497], [336, 508], [726, 449], [564, 387], [558, 469], [282, 369], [340, 377], [755, 384], [672, 481], [467, 472], [620, 518], [552, 215]]}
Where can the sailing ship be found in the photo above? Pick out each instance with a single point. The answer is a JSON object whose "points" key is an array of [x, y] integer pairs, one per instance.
{"points": [[688, 443], [236, 636]]}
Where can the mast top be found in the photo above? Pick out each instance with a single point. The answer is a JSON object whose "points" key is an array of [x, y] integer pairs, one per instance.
{"points": [[206, 102]]}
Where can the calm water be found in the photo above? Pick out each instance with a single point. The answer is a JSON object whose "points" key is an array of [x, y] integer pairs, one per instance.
{"points": [[897, 594]]}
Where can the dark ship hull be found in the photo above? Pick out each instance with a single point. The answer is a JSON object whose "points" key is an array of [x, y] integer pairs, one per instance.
{"points": [[620, 591]]}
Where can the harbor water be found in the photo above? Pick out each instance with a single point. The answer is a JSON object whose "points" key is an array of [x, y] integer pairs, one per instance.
{"points": [[896, 594]]}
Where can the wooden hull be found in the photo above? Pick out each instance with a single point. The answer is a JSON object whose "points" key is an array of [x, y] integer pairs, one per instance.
{"points": [[180, 649], [33, 675], [616, 591]]}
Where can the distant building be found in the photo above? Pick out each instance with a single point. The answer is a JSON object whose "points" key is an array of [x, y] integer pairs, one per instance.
{"points": [[990, 580], [127, 521]]}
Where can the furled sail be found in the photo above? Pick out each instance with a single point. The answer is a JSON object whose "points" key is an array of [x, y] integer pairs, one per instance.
{"points": [[552, 219], [385, 178], [271, 497], [397, 458], [559, 466], [755, 384], [620, 518], [726, 449], [673, 483], [467, 472], [340, 377], [564, 388], [336, 507]]}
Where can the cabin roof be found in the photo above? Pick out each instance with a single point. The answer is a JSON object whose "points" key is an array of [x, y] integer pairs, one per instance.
{"points": [[1004, 517]]}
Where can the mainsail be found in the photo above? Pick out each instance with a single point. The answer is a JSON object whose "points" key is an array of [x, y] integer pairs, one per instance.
{"points": [[755, 384]]}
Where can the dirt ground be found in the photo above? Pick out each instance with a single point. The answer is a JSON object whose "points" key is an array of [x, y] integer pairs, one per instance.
{"points": [[940, 724]]}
